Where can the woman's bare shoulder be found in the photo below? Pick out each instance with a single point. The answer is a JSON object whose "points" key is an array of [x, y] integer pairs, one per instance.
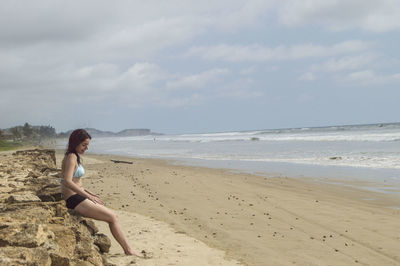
{"points": [[70, 158]]}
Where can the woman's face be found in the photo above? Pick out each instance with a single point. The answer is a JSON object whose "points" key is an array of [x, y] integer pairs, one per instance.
{"points": [[83, 146]]}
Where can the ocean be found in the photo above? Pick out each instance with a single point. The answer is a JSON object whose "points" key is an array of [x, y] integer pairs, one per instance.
{"points": [[349, 152]]}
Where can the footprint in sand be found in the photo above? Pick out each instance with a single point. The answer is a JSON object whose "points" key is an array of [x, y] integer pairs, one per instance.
{"points": [[146, 255]]}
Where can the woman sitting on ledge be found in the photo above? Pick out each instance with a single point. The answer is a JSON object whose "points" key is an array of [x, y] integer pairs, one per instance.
{"points": [[82, 200]]}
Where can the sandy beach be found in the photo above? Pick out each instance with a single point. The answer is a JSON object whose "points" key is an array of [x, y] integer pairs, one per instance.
{"points": [[186, 215]]}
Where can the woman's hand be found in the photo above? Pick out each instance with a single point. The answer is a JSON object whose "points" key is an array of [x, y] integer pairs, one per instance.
{"points": [[95, 199]]}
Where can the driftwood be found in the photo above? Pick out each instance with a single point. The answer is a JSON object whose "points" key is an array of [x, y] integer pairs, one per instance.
{"points": [[118, 161]]}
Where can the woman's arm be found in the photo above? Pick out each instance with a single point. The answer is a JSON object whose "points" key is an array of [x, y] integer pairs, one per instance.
{"points": [[91, 193], [67, 179]]}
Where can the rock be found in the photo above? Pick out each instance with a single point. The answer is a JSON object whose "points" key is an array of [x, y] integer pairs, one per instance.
{"points": [[61, 211], [64, 239], [24, 256], [84, 243], [35, 226], [50, 194], [59, 260], [103, 242], [23, 235], [12, 185], [111, 264], [91, 226], [27, 197], [34, 174], [47, 156]]}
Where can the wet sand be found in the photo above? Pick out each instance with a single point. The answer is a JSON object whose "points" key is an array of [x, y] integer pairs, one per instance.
{"points": [[238, 217]]}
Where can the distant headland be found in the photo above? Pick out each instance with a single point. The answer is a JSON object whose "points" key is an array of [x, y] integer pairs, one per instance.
{"points": [[23, 135], [123, 133]]}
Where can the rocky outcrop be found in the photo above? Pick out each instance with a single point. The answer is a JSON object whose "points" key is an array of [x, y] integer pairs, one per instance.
{"points": [[35, 226]]}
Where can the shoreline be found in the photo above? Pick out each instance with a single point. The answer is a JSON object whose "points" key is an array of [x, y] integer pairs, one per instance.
{"points": [[344, 176], [382, 180], [347, 176], [256, 220], [378, 179], [347, 187]]}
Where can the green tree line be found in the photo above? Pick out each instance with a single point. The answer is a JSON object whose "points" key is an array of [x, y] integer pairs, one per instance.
{"points": [[28, 132]]}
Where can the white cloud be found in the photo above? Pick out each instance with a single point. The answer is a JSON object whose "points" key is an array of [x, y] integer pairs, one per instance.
{"points": [[308, 76], [96, 83], [369, 15], [242, 88], [140, 76], [248, 71], [199, 80], [370, 77], [215, 84], [362, 75], [122, 22], [270, 69], [348, 63], [145, 39], [194, 99], [97, 70], [344, 63], [259, 53], [248, 14], [63, 47]]}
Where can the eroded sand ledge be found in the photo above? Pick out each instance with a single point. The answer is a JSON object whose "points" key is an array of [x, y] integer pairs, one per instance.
{"points": [[255, 220], [35, 226]]}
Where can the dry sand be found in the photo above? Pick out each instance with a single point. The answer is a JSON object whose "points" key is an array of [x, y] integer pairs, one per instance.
{"points": [[200, 216]]}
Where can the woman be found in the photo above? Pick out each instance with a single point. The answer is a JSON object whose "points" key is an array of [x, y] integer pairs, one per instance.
{"points": [[82, 200]]}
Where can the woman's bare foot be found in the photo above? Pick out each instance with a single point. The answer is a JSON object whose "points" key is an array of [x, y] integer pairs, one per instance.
{"points": [[143, 254], [130, 252]]}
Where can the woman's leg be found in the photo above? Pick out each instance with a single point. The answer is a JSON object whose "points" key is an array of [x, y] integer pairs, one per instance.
{"points": [[89, 209]]}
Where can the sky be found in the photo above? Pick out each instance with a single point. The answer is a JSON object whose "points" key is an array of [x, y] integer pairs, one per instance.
{"points": [[199, 66]]}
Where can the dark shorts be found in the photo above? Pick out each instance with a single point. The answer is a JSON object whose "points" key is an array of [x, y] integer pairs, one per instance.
{"points": [[74, 201]]}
